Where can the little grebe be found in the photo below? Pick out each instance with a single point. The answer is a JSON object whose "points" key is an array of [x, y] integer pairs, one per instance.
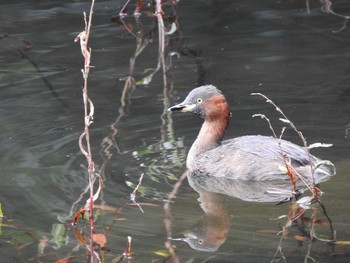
{"points": [[246, 158]]}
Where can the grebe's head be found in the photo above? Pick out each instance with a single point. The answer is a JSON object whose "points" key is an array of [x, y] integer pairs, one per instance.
{"points": [[206, 101]]}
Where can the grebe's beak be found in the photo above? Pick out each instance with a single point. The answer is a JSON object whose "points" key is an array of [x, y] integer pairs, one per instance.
{"points": [[182, 107]]}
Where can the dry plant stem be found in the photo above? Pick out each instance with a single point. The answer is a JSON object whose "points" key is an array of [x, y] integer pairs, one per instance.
{"points": [[138, 8], [301, 136], [133, 194], [291, 172], [123, 10], [313, 189], [167, 217], [88, 112], [161, 35], [131, 200]]}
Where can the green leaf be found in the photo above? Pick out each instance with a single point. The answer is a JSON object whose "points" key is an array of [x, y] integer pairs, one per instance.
{"points": [[1, 213], [162, 253]]}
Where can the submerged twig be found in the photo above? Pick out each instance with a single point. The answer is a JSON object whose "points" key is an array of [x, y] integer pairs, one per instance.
{"points": [[167, 217]]}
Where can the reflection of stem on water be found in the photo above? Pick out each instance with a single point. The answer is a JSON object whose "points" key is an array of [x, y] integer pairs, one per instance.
{"points": [[167, 134], [171, 152], [154, 166], [110, 141], [307, 229]]}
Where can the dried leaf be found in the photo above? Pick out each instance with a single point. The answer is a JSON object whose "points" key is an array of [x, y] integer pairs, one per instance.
{"points": [[268, 231], [318, 145], [284, 120], [305, 202], [99, 239], [300, 238], [172, 29], [65, 260], [342, 243], [106, 208]]}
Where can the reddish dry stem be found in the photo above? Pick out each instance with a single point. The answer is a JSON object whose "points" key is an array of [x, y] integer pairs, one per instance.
{"points": [[292, 176], [88, 112], [138, 8]]}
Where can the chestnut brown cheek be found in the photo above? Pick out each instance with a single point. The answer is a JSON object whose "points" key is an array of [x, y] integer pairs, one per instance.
{"points": [[216, 111]]}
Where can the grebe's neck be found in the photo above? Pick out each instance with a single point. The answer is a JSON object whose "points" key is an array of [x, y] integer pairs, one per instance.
{"points": [[209, 137]]}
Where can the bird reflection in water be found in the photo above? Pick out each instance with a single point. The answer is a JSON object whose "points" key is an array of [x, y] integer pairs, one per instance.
{"points": [[210, 231]]}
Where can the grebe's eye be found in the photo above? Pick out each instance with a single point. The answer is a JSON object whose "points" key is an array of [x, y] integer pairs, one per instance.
{"points": [[199, 100]]}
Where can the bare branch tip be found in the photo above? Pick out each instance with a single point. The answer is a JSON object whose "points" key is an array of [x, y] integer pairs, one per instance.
{"points": [[258, 115]]}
